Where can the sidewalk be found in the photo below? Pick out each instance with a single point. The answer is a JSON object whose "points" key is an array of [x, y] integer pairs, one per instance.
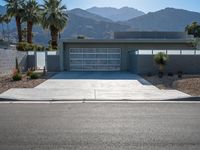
{"points": [[38, 94]]}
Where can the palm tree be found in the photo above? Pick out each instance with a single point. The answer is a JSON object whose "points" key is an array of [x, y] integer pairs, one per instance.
{"points": [[7, 20], [31, 16], [193, 29], [14, 9], [54, 18], [2, 26]]}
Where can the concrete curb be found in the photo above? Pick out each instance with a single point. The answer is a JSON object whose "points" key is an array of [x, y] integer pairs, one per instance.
{"points": [[194, 98]]}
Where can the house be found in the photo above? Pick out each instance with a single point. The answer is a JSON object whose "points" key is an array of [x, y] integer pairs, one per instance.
{"points": [[129, 51]]}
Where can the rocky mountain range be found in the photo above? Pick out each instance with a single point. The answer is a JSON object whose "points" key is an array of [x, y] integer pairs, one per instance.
{"points": [[114, 14], [92, 23]]}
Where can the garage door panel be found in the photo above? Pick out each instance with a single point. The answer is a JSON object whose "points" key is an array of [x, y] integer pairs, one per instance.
{"points": [[90, 62], [95, 59]]}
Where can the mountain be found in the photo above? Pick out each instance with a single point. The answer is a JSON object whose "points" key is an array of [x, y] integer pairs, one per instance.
{"points": [[169, 19], [87, 27], [2, 9], [82, 13], [82, 22], [122, 14]]}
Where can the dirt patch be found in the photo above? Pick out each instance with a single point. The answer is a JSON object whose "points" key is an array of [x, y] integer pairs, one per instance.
{"points": [[189, 84], [7, 83]]}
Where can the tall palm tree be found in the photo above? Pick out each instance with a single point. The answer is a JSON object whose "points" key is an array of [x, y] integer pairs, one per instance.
{"points": [[2, 25], [54, 18], [7, 20], [31, 16], [14, 9]]}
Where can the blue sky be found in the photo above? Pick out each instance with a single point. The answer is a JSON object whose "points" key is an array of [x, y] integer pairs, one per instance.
{"points": [[144, 5]]}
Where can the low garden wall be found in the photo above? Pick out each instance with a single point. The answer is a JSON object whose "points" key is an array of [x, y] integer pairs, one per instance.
{"points": [[8, 61], [144, 64]]}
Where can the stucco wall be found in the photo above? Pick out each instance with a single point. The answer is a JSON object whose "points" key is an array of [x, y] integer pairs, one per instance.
{"points": [[53, 63], [144, 64]]}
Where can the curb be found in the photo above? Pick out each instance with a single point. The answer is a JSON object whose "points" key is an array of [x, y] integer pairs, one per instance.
{"points": [[195, 98]]}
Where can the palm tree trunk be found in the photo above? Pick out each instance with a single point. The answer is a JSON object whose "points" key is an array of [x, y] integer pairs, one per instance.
{"points": [[29, 31], [8, 33], [54, 37], [3, 32], [19, 28], [161, 68]]}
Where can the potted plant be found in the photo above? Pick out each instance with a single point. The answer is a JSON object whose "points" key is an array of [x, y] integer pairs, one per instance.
{"points": [[161, 60]]}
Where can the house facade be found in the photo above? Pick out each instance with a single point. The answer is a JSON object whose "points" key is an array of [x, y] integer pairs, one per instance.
{"points": [[122, 53]]}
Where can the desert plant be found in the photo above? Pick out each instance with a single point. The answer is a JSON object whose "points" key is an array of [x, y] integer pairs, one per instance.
{"points": [[29, 72], [34, 75], [22, 46], [16, 75], [17, 65], [170, 74], [80, 37], [180, 74], [161, 60]]}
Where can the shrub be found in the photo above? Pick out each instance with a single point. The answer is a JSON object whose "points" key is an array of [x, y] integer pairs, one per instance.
{"points": [[170, 74], [161, 60], [34, 75], [80, 37], [29, 72], [24, 46], [21, 46], [16, 75], [149, 74], [180, 74]]}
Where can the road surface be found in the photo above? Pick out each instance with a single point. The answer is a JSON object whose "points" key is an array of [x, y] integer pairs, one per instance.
{"points": [[100, 126]]}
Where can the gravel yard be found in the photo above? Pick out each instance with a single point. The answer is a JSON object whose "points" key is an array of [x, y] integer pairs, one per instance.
{"points": [[189, 84], [6, 82]]}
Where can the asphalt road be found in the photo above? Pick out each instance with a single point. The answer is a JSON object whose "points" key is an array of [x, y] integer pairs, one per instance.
{"points": [[100, 126]]}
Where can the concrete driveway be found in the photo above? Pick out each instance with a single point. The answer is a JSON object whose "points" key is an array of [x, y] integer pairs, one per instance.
{"points": [[94, 86], [96, 81]]}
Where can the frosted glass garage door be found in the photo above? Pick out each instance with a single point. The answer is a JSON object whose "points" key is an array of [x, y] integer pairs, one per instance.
{"points": [[95, 59]]}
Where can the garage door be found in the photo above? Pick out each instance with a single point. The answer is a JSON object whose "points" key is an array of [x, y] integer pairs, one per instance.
{"points": [[95, 59]]}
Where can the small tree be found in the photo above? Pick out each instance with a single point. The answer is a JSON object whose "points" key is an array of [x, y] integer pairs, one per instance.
{"points": [[161, 60]]}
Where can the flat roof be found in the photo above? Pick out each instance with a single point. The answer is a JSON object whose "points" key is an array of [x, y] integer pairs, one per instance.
{"points": [[152, 35], [125, 41]]}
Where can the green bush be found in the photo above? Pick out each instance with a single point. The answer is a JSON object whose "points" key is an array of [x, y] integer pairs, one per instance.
{"points": [[34, 75], [17, 77], [29, 72], [161, 60], [24, 46]]}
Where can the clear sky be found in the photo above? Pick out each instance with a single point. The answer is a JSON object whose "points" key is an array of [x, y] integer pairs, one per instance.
{"points": [[144, 5]]}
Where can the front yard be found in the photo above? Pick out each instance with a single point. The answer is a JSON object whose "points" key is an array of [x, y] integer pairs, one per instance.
{"points": [[189, 84], [6, 82]]}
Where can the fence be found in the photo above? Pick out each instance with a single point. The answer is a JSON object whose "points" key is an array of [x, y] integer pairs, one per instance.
{"points": [[47, 59], [168, 52], [8, 61], [186, 61], [26, 60]]}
